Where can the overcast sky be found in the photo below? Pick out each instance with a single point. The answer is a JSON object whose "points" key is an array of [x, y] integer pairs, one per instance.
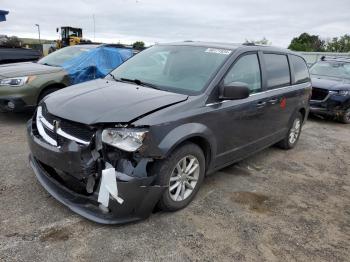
{"points": [[176, 20]]}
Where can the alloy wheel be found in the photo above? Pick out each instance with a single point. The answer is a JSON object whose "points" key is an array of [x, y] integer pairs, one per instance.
{"points": [[295, 131], [184, 178]]}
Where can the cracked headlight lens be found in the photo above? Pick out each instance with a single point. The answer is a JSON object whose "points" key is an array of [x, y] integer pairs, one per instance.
{"points": [[127, 139]]}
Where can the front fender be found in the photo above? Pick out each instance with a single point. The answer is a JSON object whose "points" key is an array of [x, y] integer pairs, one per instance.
{"points": [[185, 132]]}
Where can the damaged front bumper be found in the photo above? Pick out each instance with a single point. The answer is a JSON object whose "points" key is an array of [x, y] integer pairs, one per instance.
{"points": [[139, 194], [333, 105]]}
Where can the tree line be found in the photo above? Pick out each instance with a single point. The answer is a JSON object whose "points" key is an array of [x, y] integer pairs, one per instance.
{"points": [[313, 43]]}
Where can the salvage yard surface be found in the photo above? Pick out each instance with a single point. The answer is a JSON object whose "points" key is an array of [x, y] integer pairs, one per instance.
{"points": [[274, 206]]}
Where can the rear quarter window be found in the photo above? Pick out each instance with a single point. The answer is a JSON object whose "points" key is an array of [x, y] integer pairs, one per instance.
{"points": [[301, 72], [277, 69]]}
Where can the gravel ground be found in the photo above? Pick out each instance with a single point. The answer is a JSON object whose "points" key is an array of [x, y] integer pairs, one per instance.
{"points": [[275, 206]]}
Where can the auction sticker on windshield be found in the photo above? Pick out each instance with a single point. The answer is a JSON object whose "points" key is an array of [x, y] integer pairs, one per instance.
{"points": [[218, 51]]}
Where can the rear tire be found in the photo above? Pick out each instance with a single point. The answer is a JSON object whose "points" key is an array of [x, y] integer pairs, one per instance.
{"points": [[345, 117], [175, 172], [293, 134], [46, 92]]}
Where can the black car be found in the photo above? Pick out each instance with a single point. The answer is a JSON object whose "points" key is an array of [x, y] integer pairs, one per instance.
{"points": [[15, 55], [331, 88], [147, 134]]}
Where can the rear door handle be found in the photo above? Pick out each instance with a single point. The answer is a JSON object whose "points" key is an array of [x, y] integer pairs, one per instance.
{"points": [[273, 101], [261, 104]]}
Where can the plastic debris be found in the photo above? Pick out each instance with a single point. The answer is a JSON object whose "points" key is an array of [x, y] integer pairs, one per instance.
{"points": [[108, 187]]}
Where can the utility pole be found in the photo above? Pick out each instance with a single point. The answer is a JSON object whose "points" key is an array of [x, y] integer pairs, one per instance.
{"points": [[41, 46], [37, 25]]}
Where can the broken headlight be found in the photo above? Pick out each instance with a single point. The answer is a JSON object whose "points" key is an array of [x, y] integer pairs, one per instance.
{"points": [[126, 139]]}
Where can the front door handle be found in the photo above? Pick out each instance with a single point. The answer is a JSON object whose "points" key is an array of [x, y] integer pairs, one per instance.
{"points": [[273, 101], [261, 104]]}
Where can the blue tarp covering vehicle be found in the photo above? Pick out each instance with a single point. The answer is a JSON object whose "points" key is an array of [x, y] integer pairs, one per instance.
{"points": [[3, 14], [95, 63]]}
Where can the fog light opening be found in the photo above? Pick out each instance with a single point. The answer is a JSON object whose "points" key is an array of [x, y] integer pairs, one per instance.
{"points": [[11, 105]]}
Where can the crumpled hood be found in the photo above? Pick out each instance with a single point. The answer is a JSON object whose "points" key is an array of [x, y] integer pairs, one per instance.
{"points": [[26, 69], [330, 84], [108, 101]]}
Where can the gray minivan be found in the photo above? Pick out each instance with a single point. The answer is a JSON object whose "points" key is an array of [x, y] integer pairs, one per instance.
{"points": [[147, 134]]}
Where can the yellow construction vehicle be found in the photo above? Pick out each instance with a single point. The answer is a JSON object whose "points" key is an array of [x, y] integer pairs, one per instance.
{"points": [[69, 36]]}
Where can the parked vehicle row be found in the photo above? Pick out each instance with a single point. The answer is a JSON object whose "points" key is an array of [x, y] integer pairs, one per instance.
{"points": [[24, 85], [112, 149]]}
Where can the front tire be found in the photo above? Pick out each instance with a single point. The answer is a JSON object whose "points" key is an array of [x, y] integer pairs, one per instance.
{"points": [[293, 134], [183, 172], [46, 92], [345, 117]]}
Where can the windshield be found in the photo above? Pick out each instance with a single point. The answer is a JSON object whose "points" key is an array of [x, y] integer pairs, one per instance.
{"points": [[331, 69], [59, 57], [182, 69]]}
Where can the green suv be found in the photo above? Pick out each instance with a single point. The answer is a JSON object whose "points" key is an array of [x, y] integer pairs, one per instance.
{"points": [[23, 85]]}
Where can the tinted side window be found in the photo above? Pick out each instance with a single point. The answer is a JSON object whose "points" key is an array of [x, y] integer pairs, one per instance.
{"points": [[246, 70], [301, 73], [277, 69]]}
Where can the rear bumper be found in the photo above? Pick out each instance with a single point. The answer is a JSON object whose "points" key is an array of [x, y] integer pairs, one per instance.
{"points": [[139, 194]]}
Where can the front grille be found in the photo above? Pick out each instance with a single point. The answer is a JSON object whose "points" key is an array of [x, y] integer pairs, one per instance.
{"points": [[74, 129], [77, 130], [319, 93], [50, 133], [50, 118]]}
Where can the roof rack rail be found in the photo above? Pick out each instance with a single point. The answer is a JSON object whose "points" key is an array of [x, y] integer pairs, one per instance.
{"points": [[249, 44], [336, 58]]}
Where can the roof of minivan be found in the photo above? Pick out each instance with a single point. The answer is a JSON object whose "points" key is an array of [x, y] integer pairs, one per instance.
{"points": [[231, 46]]}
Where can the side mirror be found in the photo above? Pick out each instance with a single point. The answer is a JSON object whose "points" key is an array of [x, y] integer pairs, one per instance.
{"points": [[57, 30], [234, 90]]}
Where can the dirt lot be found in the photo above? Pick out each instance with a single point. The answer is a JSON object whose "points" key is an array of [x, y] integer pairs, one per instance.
{"points": [[275, 206]]}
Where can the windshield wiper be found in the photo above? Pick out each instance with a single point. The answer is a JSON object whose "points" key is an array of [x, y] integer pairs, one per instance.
{"points": [[49, 64], [139, 82], [114, 78]]}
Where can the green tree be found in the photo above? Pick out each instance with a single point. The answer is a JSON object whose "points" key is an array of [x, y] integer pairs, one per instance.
{"points": [[11, 41], [138, 45], [341, 44], [308, 43]]}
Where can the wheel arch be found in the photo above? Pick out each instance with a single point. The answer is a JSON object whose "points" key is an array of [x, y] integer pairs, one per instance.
{"points": [[204, 144], [49, 86], [195, 133], [302, 111]]}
